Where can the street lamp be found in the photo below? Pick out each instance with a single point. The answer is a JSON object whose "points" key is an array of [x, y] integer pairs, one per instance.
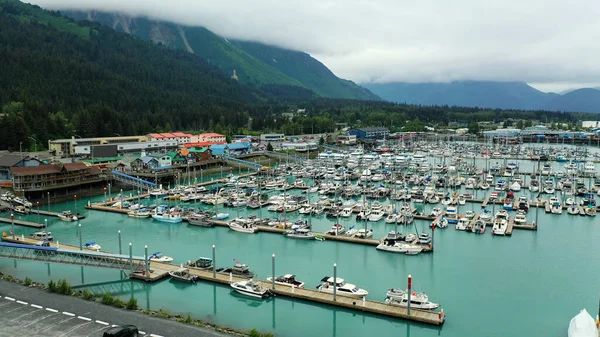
{"points": [[34, 144]]}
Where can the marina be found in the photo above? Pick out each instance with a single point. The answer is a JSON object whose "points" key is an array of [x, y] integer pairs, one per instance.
{"points": [[485, 258]]}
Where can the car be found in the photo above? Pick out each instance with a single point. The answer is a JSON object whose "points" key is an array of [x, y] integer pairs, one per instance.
{"points": [[122, 331]]}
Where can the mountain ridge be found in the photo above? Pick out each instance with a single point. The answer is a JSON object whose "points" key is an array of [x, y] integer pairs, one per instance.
{"points": [[487, 94], [252, 62]]}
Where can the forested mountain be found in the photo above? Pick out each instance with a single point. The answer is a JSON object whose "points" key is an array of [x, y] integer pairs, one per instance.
{"points": [[255, 64], [487, 94]]}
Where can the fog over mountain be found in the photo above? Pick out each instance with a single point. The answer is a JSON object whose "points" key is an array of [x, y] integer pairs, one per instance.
{"points": [[405, 41]]}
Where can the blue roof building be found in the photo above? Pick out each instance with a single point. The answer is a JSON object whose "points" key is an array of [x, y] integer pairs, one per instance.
{"points": [[230, 149]]}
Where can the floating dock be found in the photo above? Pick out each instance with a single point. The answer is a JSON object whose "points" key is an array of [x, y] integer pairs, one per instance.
{"points": [[22, 223]]}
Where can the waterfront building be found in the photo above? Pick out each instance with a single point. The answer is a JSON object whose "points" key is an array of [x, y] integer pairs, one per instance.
{"points": [[49, 177], [9, 161], [272, 137], [180, 138], [212, 138], [116, 150], [230, 149], [370, 132], [66, 147], [502, 133], [347, 139]]}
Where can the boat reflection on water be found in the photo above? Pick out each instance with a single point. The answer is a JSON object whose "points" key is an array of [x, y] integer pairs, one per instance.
{"points": [[250, 301]]}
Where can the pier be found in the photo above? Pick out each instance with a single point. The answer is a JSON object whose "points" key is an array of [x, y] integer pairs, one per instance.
{"points": [[22, 223]]}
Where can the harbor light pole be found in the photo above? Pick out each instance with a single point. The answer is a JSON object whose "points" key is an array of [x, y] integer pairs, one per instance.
{"points": [[409, 292], [37, 203], [146, 262], [334, 282], [273, 272], [48, 201], [214, 268], [130, 259], [80, 240], [12, 225], [75, 200], [46, 224], [120, 250]]}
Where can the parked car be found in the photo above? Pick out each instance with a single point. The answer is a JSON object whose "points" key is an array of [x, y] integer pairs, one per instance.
{"points": [[122, 331]]}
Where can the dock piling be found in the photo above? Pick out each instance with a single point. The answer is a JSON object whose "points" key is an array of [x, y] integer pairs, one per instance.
{"points": [[12, 225], [273, 272], [130, 259], [409, 292], [48, 193], [75, 200], [46, 224], [120, 250], [38, 207], [146, 266], [80, 239], [335, 282], [214, 266]]}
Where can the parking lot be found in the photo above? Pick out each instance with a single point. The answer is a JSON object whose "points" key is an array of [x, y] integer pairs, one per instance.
{"points": [[20, 318]]}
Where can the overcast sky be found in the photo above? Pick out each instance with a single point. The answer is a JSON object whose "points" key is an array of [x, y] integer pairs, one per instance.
{"points": [[551, 44]]}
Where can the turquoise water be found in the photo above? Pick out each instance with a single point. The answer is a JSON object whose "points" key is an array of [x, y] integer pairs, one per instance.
{"points": [[530, 284]]}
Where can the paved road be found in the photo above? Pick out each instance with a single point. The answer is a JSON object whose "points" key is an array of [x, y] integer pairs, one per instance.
{"points": [[43, 322]]}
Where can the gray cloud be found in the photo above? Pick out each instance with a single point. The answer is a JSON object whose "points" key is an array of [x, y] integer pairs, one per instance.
{"points": [[552, 43]]}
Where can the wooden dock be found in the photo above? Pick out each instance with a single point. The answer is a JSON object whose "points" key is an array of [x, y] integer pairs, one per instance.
{"points": [[22, 223], [547, 207], [159, 271], [509, 227]]}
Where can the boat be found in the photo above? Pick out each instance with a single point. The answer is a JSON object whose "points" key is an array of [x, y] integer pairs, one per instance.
{"points": [[499, 227], [319, 238], [392, 218], [375, 215], [139, 213], [221, 216], [247, 228], [399, 247], [201, 220], [582, 325], [435, 212], [399, 297], [469, 214], [442, 223], [573, 210], [250, 288], [238, 269], [42, 235], [67, 216], [461, 225], [202, 263], [92, 245], [287, 280], [184, 275], [520, 218], [160, 257], [170, 217], [364, 233], [479, 227], [21, 209], [342, 288], [302, 234], [590, 211], [411, 237], [424, 238], [451, 214], [336, 229]]}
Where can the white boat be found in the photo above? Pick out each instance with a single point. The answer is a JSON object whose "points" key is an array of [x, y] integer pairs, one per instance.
{"points": [[92, 245], [399, 297], [499, 227], [375, 215], [442, 223], [392, 218], [221, 216], [435, 212], [515, 187], [461, 225], [573, 210], [171, 217], [520, 218], [139, 213], [67, 216], [160, 257], [479, 227], [42, 235], [336, 229], [411, 237], [342, 288], [303, 234], [486, 215], [425, 238], [287, 280], [451, 214], [364, 233], [243, 227], [250, 288], [400, 247], [22, 210], [582, 325]]}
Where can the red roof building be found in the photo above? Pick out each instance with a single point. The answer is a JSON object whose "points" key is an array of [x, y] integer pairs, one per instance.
{"points": [[47, 177]]}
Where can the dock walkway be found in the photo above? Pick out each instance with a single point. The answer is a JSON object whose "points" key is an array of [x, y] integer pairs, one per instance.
{"points": [[22, 223]]}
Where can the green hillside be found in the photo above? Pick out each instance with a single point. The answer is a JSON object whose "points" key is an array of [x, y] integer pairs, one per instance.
{"points": [[253, 62]]}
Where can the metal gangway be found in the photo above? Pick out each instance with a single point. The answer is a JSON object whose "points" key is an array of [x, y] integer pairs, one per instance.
{"points": [[131, 180], [241, 162], [284, 156], [131, 264], [119, 287]]}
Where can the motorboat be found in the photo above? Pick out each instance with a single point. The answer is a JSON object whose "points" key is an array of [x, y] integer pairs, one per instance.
{"points": [[67, 216], [346, 212], [238, 269], [469, 214], [499, 227], [247, 228], [201, 220], [170, 217], [502, 213], [20, 209], [418, 300], [520, 218], [221, 216], [375, 215], [202, 263], [400, 247], [303, 234], [461, 200], [336, 229], [515, 186], [582, 325], [555, 206], [411, 237], [479, 227], [573, 210], [435, 212], [364, 233], [42, 235], [442, 223], [22, 201], [392, 218], [92, 245], [451, 214], [287, 280], [184, 275], [306, 209], [424, 238], [139, 213], [590, 211], [250, 288], [160, 257], [342, 288], [461, 225]]}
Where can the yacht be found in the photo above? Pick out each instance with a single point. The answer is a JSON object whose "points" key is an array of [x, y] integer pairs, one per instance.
{"points": [[306, 209], [342, 288], [303, 234], [287, 280], [549, 187], [375, 215], [515, 186], [139, 213], [573, 210], [435, 212], [199, 220], [346, 212], [582, 325], [499, 227], [92, 245], [251, 288], [555, 206], [392, 218], [67, 216], [42, 235], [363, 233], [520, 218], [399, 297]]}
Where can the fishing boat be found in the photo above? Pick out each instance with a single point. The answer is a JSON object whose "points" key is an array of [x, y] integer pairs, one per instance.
{"points": [[342, 288], [67, 216], [92, 245], [201, 220], [582, 325], [160, 257], [238, 269], [184, 275], [250, 288], [170, 217], [302, 234], [287, 280], [399, 297], [202, 263], [247, 228]]}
